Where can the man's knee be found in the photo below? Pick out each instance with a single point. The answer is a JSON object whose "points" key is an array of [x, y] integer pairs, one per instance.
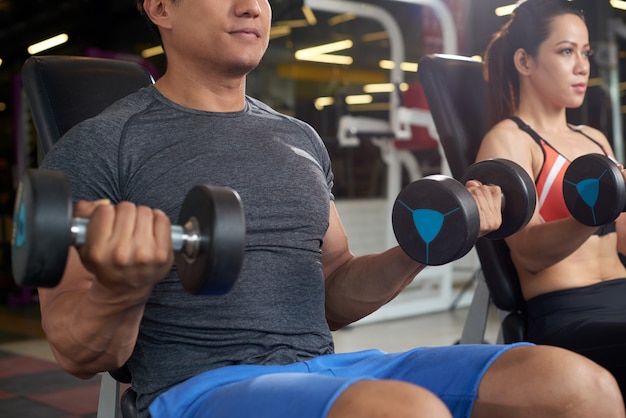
{"points": [[552, 382], [382, 398]]}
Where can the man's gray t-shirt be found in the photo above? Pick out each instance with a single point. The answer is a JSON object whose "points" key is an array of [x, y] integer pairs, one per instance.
{"points": [[151, 151]]}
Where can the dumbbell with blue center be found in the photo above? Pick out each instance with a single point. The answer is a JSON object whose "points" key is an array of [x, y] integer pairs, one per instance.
{"points": [[436, 220], [594, 190], [209, 243]]}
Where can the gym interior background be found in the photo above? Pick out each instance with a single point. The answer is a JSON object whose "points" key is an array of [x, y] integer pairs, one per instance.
{"points": [[317, 92]]}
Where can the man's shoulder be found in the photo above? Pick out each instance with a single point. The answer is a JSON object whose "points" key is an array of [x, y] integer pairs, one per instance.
{"points": [[264, 110], [127, 107], [108, 125], [112, 121]]}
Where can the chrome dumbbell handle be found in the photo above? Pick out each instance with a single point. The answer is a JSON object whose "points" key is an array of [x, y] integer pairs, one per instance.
{"points": [[185, 239]]}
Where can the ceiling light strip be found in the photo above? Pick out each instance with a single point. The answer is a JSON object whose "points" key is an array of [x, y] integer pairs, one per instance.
{"points": [[618, 4], [152, 52], [342, 18], [508, 9], [324, 49], [405, 66], [384, 87], [328, 59], [309, 15], [47, 44]]}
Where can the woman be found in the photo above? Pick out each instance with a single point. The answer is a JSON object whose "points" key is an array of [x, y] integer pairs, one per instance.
{"points": [[537, 66]]}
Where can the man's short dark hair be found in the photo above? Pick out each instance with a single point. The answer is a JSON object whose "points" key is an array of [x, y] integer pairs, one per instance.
{"points": [[155, 28], [139, 6]]}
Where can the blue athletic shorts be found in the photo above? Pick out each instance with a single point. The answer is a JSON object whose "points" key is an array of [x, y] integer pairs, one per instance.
{"points": [[308, 389]]}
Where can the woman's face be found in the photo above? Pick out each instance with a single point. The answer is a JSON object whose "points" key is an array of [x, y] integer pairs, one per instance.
{"points": [[560, 71]]}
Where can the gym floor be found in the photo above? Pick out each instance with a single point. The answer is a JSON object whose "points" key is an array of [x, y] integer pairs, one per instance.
{"points": [[32, 385]]}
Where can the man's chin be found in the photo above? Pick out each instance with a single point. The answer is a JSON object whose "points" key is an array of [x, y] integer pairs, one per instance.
{"points": [[243, 69]]}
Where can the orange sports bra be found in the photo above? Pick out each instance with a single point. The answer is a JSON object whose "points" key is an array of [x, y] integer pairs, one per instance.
{"points": [[549, 181]]}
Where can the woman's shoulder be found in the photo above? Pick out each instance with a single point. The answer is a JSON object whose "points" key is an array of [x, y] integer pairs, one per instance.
{"points": [[506, 140], [504, 130], [589, 130], [593, 133]]}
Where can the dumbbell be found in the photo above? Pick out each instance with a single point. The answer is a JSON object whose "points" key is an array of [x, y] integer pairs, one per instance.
{"points": [[209, 243], [594, 190], [436, 220]]}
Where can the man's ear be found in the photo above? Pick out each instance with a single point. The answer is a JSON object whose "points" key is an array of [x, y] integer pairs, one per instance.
{"points": [[157, 12], [522, 60]]}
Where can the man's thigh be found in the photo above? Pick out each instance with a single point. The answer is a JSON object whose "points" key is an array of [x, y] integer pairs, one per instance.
{"points": [[280, 395], [308, 389], [453, 373]]}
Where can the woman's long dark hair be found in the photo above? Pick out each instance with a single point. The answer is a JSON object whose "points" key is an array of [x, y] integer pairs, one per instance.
{"points": [[527, 28]]}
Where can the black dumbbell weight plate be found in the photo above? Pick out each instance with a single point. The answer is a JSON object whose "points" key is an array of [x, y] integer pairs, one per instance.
{"points": [[218, 214], [518, 190], [42, 221], [435, 220], [594, 189]]}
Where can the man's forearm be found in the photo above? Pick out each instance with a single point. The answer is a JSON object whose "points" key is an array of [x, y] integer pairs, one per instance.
{"points": [[88, 334], [365, 283]]}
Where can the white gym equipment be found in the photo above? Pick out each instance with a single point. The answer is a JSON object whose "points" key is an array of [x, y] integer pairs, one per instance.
{"points": [[432, 290]]}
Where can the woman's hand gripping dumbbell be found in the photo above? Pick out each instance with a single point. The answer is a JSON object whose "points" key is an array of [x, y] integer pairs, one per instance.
{"points": [[437, 220]]}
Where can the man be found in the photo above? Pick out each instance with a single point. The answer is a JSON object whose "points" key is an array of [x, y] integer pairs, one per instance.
{"points": [[265, 348]]}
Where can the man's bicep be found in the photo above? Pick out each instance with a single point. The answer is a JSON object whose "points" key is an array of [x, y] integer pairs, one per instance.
{"points": [[335, 250]]}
